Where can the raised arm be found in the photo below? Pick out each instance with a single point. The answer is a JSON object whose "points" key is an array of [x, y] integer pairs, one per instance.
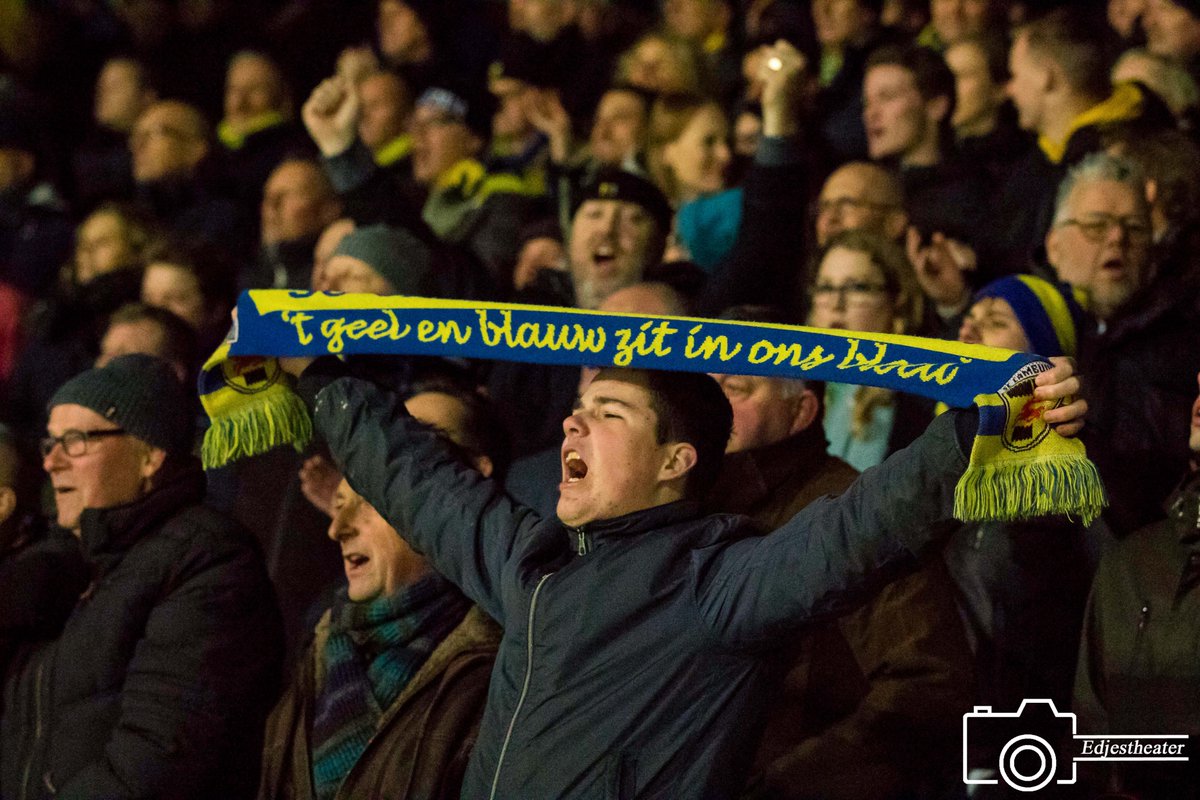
{"points": [[463, 523]]}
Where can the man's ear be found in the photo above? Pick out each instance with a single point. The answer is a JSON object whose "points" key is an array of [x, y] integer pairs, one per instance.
{"points": [[895, 223], [681, 457], [152, 461], [8, 503], [1054, 248], [805, 408]]}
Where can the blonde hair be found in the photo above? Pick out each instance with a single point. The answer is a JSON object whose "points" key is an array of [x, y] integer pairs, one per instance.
{"points": [[669, 117], [908, 309]]}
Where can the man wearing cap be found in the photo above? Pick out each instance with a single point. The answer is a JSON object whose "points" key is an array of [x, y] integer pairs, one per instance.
{"points": [[464, 205], [159, 681]]}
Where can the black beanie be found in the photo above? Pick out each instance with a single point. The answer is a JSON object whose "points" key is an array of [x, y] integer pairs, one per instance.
{"points": [[400, 257], [140, 393], [611, 183]]}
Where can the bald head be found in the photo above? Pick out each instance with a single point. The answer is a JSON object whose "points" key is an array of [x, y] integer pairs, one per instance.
{"points": [[254, 85], [298, 202], [386, 104], [861, 196], [646, 298]]}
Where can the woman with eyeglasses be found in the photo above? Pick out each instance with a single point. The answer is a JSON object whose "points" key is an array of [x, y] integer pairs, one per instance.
{"points": [[865, 283], [158, 681]]}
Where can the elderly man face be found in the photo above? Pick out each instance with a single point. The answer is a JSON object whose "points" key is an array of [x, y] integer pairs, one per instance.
{"points": [[167, 141], [766, 410], [860, 196], [298, 202], [1100, 242], [612, 244], [106, 468], [253, 87], [619, 127]]}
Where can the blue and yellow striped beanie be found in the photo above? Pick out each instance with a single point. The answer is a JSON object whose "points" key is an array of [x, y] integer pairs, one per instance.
{"points": [[1051, 313]]}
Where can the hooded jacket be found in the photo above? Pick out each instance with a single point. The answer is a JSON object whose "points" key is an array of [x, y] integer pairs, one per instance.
{"points": [[639, 652]]}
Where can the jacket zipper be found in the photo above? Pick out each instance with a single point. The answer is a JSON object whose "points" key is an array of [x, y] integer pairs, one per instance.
{"points": [[582, 545], [524, 688], [37, 728]]}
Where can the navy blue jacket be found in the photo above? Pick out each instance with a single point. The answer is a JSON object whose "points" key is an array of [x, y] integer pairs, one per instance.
{"points": [[638, 652]]}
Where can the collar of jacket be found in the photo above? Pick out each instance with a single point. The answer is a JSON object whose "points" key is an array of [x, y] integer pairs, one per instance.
{"points": [[106, 534], [393, 151], [592, 534], [234, 137], [1124, 104], [1183, 510], [749, 476]]}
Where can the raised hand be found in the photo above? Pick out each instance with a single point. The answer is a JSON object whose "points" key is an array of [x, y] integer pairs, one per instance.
{"points": [[331, 115]]}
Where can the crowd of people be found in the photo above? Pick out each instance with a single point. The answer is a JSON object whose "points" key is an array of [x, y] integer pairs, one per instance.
{"points": [[508, 580]]}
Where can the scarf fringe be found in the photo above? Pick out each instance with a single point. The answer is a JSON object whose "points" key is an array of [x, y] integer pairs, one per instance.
{"points": [[1060, 484], [269, 420]]}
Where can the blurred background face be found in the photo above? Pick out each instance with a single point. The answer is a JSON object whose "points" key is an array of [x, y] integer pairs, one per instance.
{"points": [[177, 290], [956, 19], [610, 248], [121, 95], [859, 197], [1170, 30], [850, 293], [1027, 84], [619, 128], [439, 142], [839, 22], [166, 141], [654, 66], [101, 246], [297, 203], [694, 19], [403, 38], [511, 120], [1194, 438], [541, 19], [123, 338], [893, 112], [385, 105], [1123, 15], [699, 157], [978, 98], [253, 87], [327, 242], [993, 322], [16, 168]]}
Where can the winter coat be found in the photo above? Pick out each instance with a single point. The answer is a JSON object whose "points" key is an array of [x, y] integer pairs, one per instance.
{"points": [[162, 676], [421, 747], [640, 651], [872, 702]]}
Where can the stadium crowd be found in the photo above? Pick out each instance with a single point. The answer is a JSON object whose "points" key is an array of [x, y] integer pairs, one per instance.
{"points": [[502, 580]]}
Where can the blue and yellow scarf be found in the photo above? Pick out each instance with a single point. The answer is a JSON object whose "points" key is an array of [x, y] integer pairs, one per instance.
{"points": [[1019, 467]]}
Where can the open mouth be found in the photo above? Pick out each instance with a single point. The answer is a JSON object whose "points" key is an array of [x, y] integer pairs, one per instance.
{"points": [[355, 561], [1113, 265], [575, 467], [604, 257]]}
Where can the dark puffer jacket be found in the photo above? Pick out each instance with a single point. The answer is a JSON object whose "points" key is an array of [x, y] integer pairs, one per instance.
{"points": [[638, 652], [160, 682]]}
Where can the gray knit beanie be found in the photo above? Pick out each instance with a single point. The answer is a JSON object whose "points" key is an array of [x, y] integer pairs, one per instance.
{"points": [[140, 393], [403, 259]]}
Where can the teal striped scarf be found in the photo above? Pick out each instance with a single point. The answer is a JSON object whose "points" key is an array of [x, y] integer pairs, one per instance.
{"points": [[373, 651]]}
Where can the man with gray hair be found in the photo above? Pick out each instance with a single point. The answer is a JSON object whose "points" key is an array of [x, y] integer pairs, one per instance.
{"points": [[1141, 356]]}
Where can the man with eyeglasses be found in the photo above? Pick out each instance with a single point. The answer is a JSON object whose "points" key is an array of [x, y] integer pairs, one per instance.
{"points": [[158, 682], [860, 196], [1141, 356], [175, 180]]}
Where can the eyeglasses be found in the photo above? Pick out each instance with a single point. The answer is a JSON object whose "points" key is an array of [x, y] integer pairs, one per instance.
{"points": [[841, 205], [74, 443], [1096, 228], [853, 295]]}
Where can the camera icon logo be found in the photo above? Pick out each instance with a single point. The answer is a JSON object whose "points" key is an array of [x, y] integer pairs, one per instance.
{"points": [[1028, 762]]}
